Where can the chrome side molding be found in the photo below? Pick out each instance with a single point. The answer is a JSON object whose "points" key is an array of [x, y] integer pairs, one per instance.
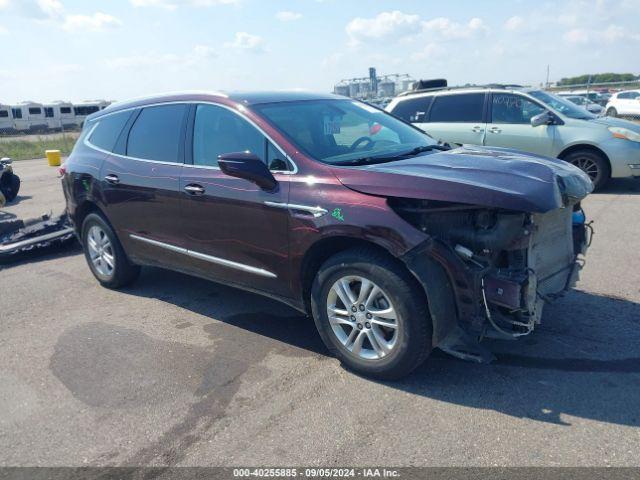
{"points": [[315, 211], [202, 256]]}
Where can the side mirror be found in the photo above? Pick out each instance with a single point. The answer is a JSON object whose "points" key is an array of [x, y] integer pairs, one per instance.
{"points": [[545, 118], [248, 166]]}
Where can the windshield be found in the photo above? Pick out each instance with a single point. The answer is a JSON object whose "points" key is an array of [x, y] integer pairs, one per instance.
{"points": [[345, 132], [562, 105]]}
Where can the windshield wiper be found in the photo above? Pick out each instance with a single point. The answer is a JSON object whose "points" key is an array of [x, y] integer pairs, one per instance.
{"points": [[424, 148], [389, 158]]}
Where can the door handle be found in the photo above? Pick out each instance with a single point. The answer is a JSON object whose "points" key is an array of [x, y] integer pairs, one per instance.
{"points": [[477, 129], [112, 179], [495, 130], [194, 189]]}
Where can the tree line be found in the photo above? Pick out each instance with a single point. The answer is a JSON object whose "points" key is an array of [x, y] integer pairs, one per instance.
{"points": [[598, 78]]}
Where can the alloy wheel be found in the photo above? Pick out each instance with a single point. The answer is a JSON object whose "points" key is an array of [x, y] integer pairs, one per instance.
{"points": [[362, 317], [101, 251], [588, 166]]}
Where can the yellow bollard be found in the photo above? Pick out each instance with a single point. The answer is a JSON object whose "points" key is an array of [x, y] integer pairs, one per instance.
{"points": [[53, 157]]}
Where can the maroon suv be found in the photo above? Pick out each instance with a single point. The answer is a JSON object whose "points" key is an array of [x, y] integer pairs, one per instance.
{"points": [[394, 243]]}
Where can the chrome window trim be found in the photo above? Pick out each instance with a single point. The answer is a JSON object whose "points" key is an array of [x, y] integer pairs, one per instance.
{"points": [[315, 211], [203, 256], [189, 102]]}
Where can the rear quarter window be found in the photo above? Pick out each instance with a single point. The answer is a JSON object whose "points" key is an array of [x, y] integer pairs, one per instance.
{"points": [[413, 109], [108, 130], [466, 107]]}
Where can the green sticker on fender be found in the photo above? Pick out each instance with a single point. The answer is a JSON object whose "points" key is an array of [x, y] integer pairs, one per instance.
{"points": [[337, 213]]}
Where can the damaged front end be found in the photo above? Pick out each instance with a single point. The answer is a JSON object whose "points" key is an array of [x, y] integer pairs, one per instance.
{"points": [[490, 271], [19, 237]]}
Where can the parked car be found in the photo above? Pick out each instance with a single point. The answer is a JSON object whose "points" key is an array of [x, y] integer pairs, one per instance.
{"points": [[585, 103], [527, 119], [595, 96], [624, 103], [393, 243]]}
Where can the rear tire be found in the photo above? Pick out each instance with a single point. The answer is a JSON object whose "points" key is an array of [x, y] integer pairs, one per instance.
{"points": [[105, 255], [383, 333], [10, 186], [593, 164], [612, 112]]}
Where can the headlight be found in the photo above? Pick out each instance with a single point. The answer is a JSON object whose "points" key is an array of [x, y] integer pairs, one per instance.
{"points": [[625, 133]]}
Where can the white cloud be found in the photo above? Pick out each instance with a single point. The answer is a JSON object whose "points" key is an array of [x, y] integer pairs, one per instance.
{"points": [[36, 9], [431, 51], [173, 4], [449, 29], [288, 16], [64, 68], [612, 34], [51, 8], [514, 23], [383, 25], [195, 56], [411, 28], [96, 22], [204, 51], [3, 30], [139, 61], [246, 41]]}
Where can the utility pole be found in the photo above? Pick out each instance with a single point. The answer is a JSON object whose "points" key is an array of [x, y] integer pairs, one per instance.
{"points": [[547, 82]]}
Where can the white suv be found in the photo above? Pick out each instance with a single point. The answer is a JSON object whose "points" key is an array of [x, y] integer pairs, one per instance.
{"points": [[624, 103]]}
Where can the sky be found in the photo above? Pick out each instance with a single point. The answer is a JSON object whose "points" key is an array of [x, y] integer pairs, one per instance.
{"points": [[82, 49]]}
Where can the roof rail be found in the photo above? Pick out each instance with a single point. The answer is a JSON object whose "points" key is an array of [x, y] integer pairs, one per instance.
{"points": [[460, 87]]}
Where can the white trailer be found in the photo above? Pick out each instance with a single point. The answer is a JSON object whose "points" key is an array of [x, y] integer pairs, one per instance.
{"points": [[6, 119], [28, 117], [60, 116], [83, 109]]}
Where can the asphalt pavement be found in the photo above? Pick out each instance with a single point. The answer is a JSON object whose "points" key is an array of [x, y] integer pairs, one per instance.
{"points": [[179, 371]]}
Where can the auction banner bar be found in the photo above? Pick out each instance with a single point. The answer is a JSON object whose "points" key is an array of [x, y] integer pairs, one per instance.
{"points": [[430, 473]]}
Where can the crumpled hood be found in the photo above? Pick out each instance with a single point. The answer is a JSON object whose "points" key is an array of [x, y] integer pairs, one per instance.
{"points": [[491, 177]]}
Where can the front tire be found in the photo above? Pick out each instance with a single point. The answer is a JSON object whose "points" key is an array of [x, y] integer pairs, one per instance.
{"points": [[612, 112], [593, 164], [105, 255], [371, 314]]}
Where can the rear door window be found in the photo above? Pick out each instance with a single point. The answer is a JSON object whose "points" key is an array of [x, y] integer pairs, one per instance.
{"points": [[413, 110], [466, 107], [156, 133], [108, 130], [514, 109]]}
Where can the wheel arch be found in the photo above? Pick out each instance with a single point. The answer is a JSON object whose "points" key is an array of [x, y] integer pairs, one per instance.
{"points": [[592, 149], [583, 146], [324, 249], [83, 209]]}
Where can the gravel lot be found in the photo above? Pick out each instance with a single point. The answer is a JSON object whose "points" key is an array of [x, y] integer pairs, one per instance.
{"points": [[179, 371]]}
